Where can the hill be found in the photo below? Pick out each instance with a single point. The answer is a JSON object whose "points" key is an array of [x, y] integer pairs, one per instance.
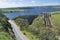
{"points": [[56, 22], [4, 34], [37, 30]]}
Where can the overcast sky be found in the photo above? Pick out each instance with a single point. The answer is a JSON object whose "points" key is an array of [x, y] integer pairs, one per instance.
{"points": [[20, 3]]}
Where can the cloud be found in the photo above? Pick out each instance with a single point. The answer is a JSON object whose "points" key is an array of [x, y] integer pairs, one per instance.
{"points": [[5, 4], [33, 2], [23, 3], [14, 3]]}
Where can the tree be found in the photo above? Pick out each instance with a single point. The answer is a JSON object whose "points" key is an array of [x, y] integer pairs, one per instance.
{"points": [[23, 23], [4, 22]]}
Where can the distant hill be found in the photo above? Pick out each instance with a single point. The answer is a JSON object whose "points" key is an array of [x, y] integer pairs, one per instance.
{"points": [[42, 8], [31, 7]]}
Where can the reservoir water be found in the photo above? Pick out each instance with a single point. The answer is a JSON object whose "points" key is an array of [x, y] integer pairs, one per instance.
{"points": [[31, 11]]}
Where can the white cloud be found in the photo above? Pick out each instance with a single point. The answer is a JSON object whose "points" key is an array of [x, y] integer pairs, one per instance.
{"points": [[5, 4], [9, 3], [15, 3], [33, 2]]}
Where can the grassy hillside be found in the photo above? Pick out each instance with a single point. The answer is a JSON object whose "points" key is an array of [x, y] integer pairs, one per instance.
{"points": [[4, 35], [56, 22], [37, 30]]}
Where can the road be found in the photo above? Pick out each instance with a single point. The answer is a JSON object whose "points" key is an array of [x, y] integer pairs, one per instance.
{"points": [[19, 35]]}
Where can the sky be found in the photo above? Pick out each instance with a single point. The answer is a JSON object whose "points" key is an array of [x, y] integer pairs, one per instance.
{"points": [[24, 3]]}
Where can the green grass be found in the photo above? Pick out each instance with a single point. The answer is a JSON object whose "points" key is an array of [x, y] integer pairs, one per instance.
{"points": [[29, 35], [4, 36], [16, 10], [56, 19], [56, 22]]}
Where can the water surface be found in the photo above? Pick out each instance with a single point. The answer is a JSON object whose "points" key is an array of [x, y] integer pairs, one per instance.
{"points": [[33, 11]]}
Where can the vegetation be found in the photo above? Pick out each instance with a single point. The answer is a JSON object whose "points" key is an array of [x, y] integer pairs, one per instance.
{"points": [[56, 22], [4, 35], [12, 10], [37, 30], [23, 23]]}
